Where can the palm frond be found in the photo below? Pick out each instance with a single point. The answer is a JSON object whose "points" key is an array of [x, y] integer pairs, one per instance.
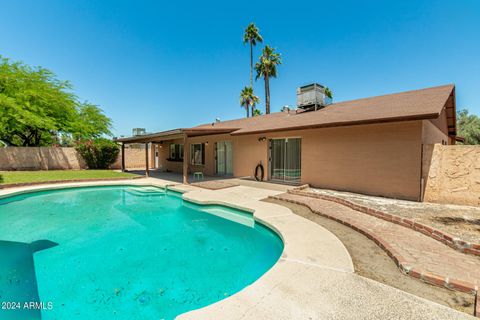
{"points": [[252, 35], [267, 63]]}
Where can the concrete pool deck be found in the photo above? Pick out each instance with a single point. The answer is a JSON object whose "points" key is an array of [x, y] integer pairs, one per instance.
{"points": [[313, 279]]}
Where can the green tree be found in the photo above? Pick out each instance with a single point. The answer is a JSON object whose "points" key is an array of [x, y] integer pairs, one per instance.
{"points": [[328, 92], [38, 109], [248, 100], [266, 67], [252, 36], [91, 122], [257, 112], [468, 127]]}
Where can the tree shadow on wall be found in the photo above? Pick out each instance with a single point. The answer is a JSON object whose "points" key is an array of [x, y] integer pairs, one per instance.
{"points": [[18, 282]]}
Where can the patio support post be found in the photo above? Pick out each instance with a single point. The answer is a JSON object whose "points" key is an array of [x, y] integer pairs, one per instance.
{"points": [[147, 172], [123, 157], [186, 156]]}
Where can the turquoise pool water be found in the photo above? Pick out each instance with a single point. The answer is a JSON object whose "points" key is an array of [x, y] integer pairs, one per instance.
{"points": [[124, 253]]}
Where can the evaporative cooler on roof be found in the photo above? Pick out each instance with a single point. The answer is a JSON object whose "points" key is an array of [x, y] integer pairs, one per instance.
{"points": [[312, 97]]}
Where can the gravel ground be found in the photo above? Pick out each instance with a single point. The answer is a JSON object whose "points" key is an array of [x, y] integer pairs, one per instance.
{"points": [[372, 262], [460, 221]]}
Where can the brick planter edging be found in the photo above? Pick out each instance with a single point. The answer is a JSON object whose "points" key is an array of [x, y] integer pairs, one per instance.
{"points": [[445, 238], [26, 184], [399, 260]]}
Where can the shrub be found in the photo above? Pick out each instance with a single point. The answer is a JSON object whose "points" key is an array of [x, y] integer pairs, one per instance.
{"points": [[98, 153]]}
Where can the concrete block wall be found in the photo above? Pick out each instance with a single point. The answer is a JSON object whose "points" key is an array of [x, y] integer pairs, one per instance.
{"points": [[56, 158]]}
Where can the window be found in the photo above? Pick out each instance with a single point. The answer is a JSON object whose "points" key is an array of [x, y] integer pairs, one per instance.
{"points": [[176, 151], [180, 148], [197, 153]]}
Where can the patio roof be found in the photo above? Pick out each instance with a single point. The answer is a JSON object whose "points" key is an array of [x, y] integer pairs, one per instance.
{"points": [[153, 137], [174, 134]]}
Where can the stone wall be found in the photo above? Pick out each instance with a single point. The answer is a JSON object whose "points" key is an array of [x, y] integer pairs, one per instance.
{"points": [[53, 158], [451, 174]]}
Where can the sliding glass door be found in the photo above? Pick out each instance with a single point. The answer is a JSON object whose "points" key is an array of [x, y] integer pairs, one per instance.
{"points": [[285, 159], [224, 158]]}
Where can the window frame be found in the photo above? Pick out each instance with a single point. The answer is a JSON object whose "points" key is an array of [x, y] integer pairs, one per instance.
{"points": [[202, 154], [176, 151]]}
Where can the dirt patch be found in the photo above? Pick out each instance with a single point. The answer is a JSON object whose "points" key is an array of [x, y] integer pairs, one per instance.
{"points": [[372, 262], [472, 225]]}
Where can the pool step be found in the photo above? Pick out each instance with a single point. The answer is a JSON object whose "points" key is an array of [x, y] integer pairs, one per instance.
{"points": [[232, 216], [145, 191], [240, 217]]}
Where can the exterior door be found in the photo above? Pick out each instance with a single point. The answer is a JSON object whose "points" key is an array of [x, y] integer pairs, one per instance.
{"points": [[285, 159], [224, 158]]}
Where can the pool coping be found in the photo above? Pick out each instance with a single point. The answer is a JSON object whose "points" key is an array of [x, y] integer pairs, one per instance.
{"points": [[309, 251]]}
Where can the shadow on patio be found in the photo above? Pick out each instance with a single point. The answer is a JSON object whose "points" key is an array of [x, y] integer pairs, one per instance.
{"points": [[177, 178]]}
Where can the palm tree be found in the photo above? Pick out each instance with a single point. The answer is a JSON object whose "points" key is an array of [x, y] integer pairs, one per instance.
{"points": [[251, 36], [266, 67], [248, 99], [256, 112]]}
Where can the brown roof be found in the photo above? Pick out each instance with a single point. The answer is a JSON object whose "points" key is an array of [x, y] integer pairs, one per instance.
{"points": [[410, 105]]}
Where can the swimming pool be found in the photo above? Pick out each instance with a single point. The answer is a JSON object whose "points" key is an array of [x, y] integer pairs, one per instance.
{"points": [[123, 252]]}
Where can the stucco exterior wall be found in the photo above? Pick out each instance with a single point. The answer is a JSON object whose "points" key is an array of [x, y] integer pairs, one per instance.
{"points": [[441, 122], [377, 159], [209, 141], [177, 166], [53, 158], [380, 159], [164, 163], [452, 174], [431, 134]]}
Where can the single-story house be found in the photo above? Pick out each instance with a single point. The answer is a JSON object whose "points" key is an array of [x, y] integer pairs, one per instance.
{"points": [[370, 146]]}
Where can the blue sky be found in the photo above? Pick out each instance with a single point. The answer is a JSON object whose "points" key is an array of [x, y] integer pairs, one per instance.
{"points": [[162, 65]]}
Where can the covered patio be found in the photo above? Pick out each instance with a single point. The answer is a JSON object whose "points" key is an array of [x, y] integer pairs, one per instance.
{"points": [[177, 178], [165, 151]]}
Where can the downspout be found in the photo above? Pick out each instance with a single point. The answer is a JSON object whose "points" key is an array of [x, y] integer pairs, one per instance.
{"points": [[147, 166], [123, 156], [186, 156], [422, 180]]}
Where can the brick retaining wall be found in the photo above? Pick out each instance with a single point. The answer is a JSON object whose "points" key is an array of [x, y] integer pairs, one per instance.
{"points": [[439, 235]]}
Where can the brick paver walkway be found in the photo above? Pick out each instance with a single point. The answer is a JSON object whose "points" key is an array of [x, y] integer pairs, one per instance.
{"points": [[416, 254]]}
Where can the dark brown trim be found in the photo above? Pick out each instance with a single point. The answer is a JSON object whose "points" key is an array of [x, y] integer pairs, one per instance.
{"points": [[147, 169], [342, 124], [123, 157], [422, 181], [164, 135]]}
